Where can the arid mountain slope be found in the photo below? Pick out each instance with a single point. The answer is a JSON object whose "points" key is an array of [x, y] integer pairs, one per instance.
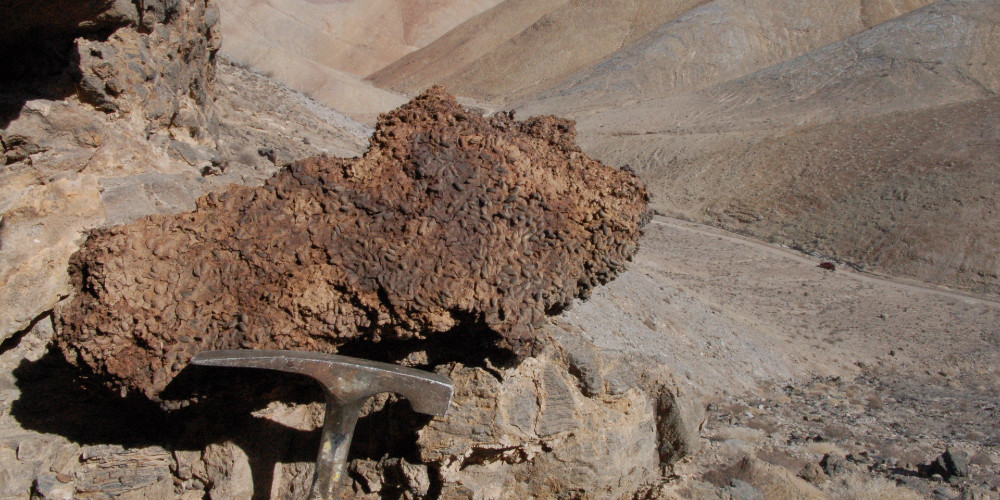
{"points": [[611, 51], [463, 45], [521, 48], [876, 149], [354, 36], [721, 40], [323, 47], [341, 91], [912, 193]]}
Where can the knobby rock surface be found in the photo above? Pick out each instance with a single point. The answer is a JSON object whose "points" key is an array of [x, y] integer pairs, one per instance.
{"points": [[450, 220]]}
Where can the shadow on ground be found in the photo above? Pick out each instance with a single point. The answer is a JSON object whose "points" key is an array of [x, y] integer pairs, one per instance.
{"points": [[216, 405], [58, 398]]}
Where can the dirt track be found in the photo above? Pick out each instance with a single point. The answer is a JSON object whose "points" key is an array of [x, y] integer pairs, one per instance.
{"points": [[898, 283]]}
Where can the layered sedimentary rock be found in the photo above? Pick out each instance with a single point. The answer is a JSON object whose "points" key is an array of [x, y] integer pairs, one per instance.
{"points": [[450, 220], [149, 66]]}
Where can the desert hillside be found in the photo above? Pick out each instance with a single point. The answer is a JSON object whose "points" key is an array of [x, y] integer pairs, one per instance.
{"points": [[873, 150], [521, 48], [610, 51], [353, 36], [721, 40], [324, 47]]}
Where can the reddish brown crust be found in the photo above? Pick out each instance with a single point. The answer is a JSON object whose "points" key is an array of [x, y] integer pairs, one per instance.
{"points": [[449, 219]]}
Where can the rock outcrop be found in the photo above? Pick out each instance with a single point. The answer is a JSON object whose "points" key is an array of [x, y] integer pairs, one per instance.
{"points": [[161, 67], [450, 220], [150, 58], [572, 422]]}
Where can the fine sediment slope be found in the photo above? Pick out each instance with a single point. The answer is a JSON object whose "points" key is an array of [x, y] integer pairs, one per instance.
{"points": [[718, 41], [521, 48], [353, 36], [462, 46], [324, 47], [339, 90], [608, 52]]}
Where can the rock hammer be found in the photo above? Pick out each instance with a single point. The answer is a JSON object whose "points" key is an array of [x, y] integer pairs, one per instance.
{"points": [[348, 382]]}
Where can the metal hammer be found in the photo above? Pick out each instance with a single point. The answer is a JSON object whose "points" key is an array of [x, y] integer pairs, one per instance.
{"points": [[348, 383]]}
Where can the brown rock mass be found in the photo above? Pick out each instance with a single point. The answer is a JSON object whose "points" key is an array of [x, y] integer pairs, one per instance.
{"points": [[450, 220]]}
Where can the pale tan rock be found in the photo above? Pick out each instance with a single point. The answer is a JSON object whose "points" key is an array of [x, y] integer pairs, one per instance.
{"points": [[228, 471], [39, 231], [48, 487], [16, 477], [533, 432], [417, 477]]}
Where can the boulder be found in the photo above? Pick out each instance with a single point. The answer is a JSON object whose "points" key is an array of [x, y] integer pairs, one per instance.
{"points": [[160, 71], [167, 126], [450, 222]]}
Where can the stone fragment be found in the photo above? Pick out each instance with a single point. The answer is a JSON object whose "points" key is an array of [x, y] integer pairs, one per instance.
{"points": [[813, 473], [956, 462], [16, 478], [229, 473], [416, 476], [32, 449], [367, 476], [112, 471], [49, 487], [833, 465], [951, 463], [451, 221], [742, 490], [584, 364]]}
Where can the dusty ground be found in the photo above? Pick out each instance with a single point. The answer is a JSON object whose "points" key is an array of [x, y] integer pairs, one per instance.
{"points": [[793, 361], [799, 361]]}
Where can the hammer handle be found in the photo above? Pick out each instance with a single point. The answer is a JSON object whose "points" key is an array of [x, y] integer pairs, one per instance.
{"points": [[335, 442]]}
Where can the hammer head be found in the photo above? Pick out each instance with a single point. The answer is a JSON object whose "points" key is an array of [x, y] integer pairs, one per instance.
{"points": [[345, 379]]}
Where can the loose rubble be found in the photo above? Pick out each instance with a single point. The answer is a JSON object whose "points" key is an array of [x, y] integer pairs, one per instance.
{"points": [[874, 436]]}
